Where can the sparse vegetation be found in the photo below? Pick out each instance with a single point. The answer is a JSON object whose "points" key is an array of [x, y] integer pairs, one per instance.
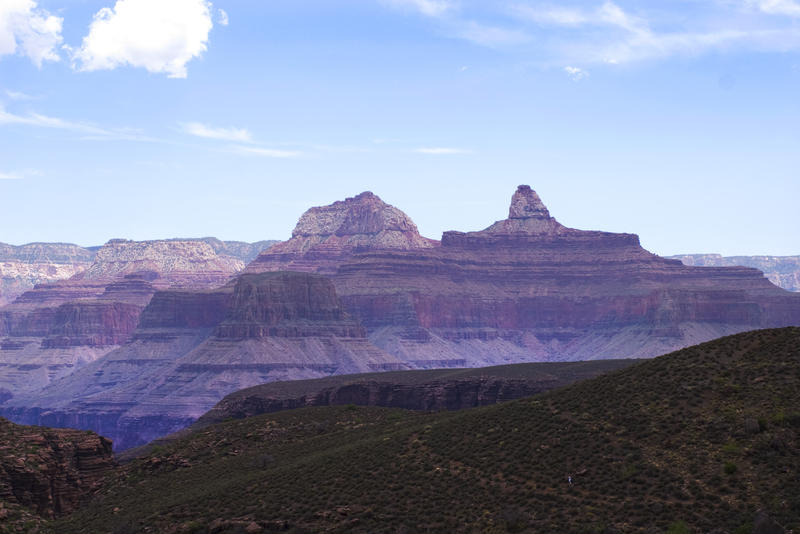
{"points": [[646, 448]]}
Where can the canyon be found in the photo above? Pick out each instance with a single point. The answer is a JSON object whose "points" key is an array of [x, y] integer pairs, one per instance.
{"points": [[54, 328], [525, 289], [193, 347], [153, 334]]}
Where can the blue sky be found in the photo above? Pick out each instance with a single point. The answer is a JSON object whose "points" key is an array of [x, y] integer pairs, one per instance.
{"points": [[142, 119]]}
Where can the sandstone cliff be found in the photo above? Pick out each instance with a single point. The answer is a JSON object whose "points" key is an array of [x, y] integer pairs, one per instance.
{"points": [[193, 347], [783, 271], [53, 329], [22, 267], [529, 289], [49, 472], [326, 236]]}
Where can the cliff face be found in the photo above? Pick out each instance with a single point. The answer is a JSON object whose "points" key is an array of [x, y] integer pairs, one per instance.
{"points": [[438, 389], [53, 329], [22, 267], [783, 271], [327, 236], [177, 263], [49, 471], [529, 289], [193, 347]]}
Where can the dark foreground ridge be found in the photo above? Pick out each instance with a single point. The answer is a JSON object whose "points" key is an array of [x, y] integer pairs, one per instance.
{"points": [[703, 439], [435, 389]]}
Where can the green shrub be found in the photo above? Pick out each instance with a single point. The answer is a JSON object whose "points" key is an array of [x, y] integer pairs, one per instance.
{"points": [[730, 468], [678, 527]]}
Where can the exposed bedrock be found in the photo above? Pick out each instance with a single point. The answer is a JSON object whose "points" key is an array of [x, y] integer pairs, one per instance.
{"points": [[193, 347], [528, 288], [439, 389], [326, 236], [783, 271], [51, 471], [53, 329]]}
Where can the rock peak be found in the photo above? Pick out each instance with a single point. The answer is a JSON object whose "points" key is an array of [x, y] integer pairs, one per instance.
{"points": [[526, 204]]}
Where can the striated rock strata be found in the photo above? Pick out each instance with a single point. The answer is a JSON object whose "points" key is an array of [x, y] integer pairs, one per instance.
{"points": [[439, 389], [783, 271], [22, 267], [191, 348], [327, 236], [48, 471], [530, 289], [53, 329]]}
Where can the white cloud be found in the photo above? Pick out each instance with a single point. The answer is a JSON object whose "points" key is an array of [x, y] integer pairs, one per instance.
{"points": [[576, 73], [29, 30], [441, 151], [10, 176], [431, 8], [228, 134], [222, 17], [159, 36], [266, 152]]}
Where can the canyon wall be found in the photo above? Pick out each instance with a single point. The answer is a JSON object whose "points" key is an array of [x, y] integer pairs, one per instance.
{"points": [[783, 271], [191, 348]]}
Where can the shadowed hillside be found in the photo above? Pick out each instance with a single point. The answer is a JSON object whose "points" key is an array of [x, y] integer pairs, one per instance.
{"points": [[693, 441]]}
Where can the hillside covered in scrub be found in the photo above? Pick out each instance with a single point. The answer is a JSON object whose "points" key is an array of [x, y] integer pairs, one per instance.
{"points": [[700, 439]]}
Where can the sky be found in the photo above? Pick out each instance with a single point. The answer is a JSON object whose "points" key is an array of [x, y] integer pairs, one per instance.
{"points": [[143, 119]]}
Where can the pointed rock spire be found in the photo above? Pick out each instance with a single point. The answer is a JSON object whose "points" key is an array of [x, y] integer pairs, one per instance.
{"points": [[526, 204]]}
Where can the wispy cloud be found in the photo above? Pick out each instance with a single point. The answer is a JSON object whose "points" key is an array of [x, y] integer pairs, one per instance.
{"points": [[17, 95], [790, 8], [87, 130], [576, 73], [441, 151], [431, 8], [487, 35], [591, 32], [222, 17], [10, 176], [266, 152], [226, 134]]}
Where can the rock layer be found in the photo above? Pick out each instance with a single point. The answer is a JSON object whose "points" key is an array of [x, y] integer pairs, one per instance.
{"points": [[440, 389], [50, 471], [783, 271], [53, 329], [193, 347], [326, 236], [22, 267], [529, 289]]}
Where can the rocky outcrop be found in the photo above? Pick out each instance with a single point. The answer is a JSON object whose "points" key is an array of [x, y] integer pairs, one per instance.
{"points": [[783, 271], [49, 471], [191, 348], [177, 263], [440, 389], [327, 236], [22, 267], [245, 252], [53, 329], [529, 289]]}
